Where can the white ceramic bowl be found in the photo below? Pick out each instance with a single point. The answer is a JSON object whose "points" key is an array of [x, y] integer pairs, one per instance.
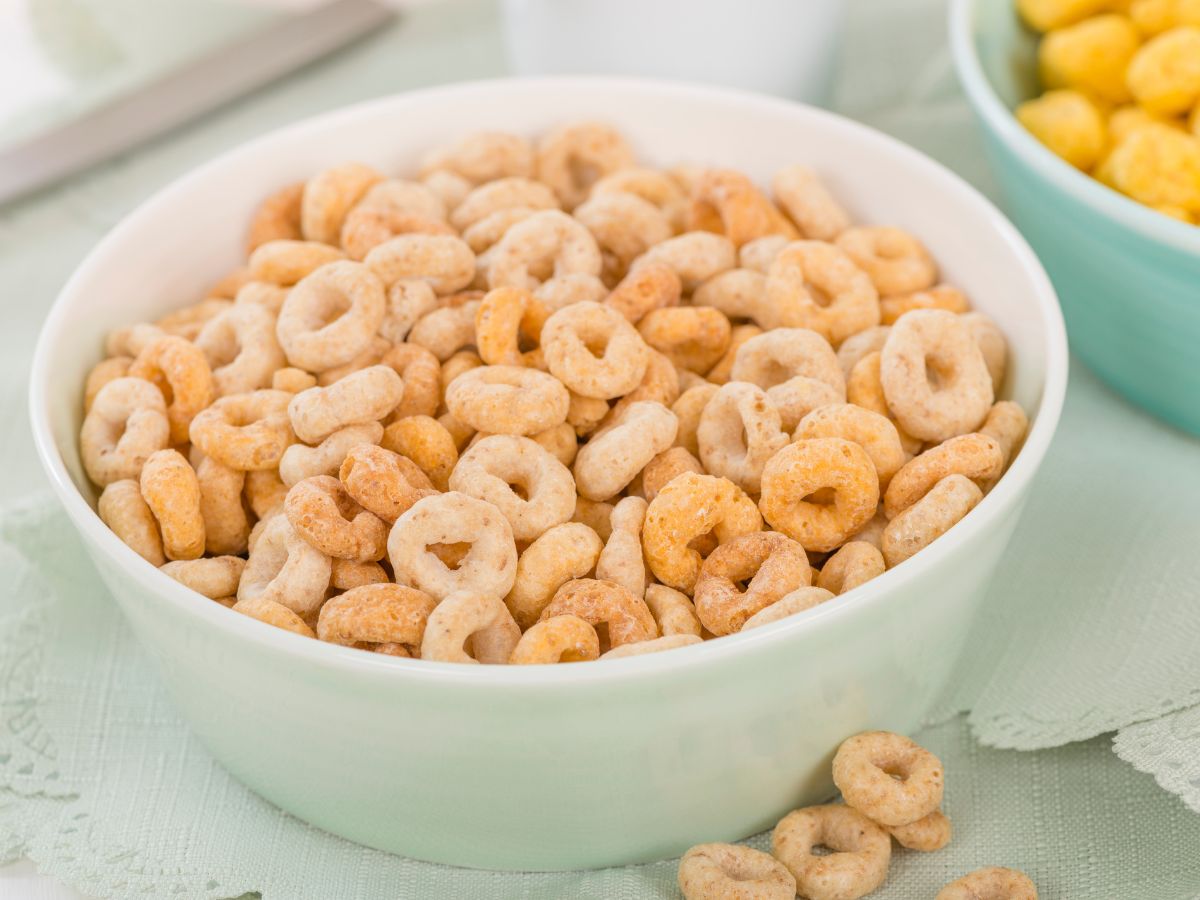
{"points": [[566, 766]]}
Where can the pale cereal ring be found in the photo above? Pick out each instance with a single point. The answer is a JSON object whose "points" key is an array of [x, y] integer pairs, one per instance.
{"points": [[501, 194], [277, 217], [169, 487], [771, 564], [270, 297], [561, 554], [285, 263], [660, 384], [652, 286], [483, 156], [806, 273], [123, 510], [300, 461], [459, 432], [567, 337], [447, 187], [226, 527], [688, 409], [726, 202], [864, 389], [454, 620], [101, 374], [367, 395], [692, 337], [895, 260], [347, 574], [686, 508], [739, 293], [241, 349], [857, 346], [487, 232], [494, 644], [274, 613], [490, 565], [672, 610], [421, 373], [888, 778], [403, 196], [264, 492], [131, 339], [188, 322], [324, 514], [857, 865], [577, 287], [665, 466], [376, 614], [611, 459], [584, 414], [331, 316], [872, 532], [548, 244], [651, 185], [621, 559], [408, 301], [366, 227], [213, 576], [689, 380], [733, 872], [1006, 424], [695, 256], [797, 601], [490, 468], [929, 518], [806, 200], [596, 515], [178, 368], [604, 603], [992, 883], [784, 362], [654, 645], [855, 563], [561, 639], [427, 443], [447, 330], [992, 344], [506, 316], [285, 568], [806, 467], [572, 158], [625, 226], [933, 832], [739, 431], [976, 456], [874, 433], [507, 400], [722, 370], [444, 261], [329, 195], [371, 355], [934, 377], [229, 286], [941, 296], [383, 482], [758, 254], [126, 424]]}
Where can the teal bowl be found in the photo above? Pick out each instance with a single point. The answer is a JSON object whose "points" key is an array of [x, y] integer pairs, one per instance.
{"points": [[1128, 278]]}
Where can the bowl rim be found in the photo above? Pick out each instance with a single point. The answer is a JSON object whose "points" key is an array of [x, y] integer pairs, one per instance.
{"points": [[1079, 185], [327, 656]]}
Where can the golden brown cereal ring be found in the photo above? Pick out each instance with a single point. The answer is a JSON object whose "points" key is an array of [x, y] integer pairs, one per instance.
{"points": [[733, 872], [574, 157], [621, 559], [507, 400], [101, 374], [654, 645], [686, 508], [376, 614], [992, 344], [487, 231], [993, 883], [462, 361], [796, 367], [285, 568], [859, 861], [277, 217], [547, 241], [214, 576], [241, 349], [447, 186], [888, 778], [695, 256], [490, 565], [803, 267], [806, 467], [584, 414], [270, 297], [427, 443], [561, 639], [273, 613], [188, 322], [689, 380], [722, 370], [399, 195], [1006, 424], [688, 410], [408, 301], [739, 293], [285, 263], [933, 344], [367, 395], [501, 194], [872, 532], [366, 227], [370, 356], [504, 317], [773, 566], [595, 515], [132, 339], [874, 433], [169, 487], [226, 528], [421, 373], [495, 643], [896, 261], [561, 554], [347, 574], [976, 456], [653, 286], [559, 442], [447, 330], [489, 469], [855, 563], [808, 203], [726, 202], [455, 619], [122, 509], [300, 461], [739, 431], [245, 431], [693, 337], [857, 346], [459, 432], [329, 195], [611, 459], [126, 424], [941, 296], [178, 368], [383, 482], [444, 261], [797, 601], [331, 316], [604, 603], [927, 834], [483, 156], [325, 515], [929, 518], [672, 610], [758, 254], [264, 492], [864, 389], [655, 187], [624, 225], [577, 287], [660, 384], [665, 466]]}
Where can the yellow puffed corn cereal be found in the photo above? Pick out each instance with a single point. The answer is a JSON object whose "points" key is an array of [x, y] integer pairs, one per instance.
{"points": [[1194, 121], [1164, 76], [1125, 120], [1157, 165], [1156, 16], [1045, 15], [1068, 123], [1091, 57]]}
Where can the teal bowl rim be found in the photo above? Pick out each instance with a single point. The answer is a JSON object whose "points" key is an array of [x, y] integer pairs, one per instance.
{"points": [[1082, 187]]}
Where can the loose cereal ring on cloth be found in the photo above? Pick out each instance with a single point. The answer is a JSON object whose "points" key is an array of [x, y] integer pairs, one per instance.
{"points": [[626, 616], [653, 286], [504, 317], [932, 832], [739, 432], [572, 158], [785, 363], [855, 563], [896, 262], [806, 467], [501, 194], [546, 245], [888, 778], [772, 564], [367, 395], [428, 443], [385, 483], [873, 432], [178, 368], [672, 610], [695, 257], [168, 485], [277, 217], [284, 264], [241, 349], [806, 200], [859, 861], [992, 883], [612, 458], [214, 577], [329, 196], [733, 872], [285, 568], [331, 316], [691, 337], [483, 156], [126, 424], [797, 601], [817, 286], [226, 525], [490, 565], [914, 529], [726, 202], [561, 639], [376, 614], [621, 560], [976, 456], [444, 261], [326, 516], [300, 461], [508, 400], [122, 508], [563, 553]]}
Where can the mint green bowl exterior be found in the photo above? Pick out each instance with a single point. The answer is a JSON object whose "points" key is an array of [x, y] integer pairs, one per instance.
{"points": [[1128, 277]]}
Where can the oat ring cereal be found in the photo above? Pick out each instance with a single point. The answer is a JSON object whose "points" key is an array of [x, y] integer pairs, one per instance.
{"points": [[277, 217], [503, 193], [455, 619], [651, 287], [740, 430], [326, 516], [301, 461], [483, 156], [785, 363], [626, 616], [612, 458], [650, 185], [421, 373], [572, 158], [896, 261], [331, 316], [172, 492], [815, 285], [330, 195], [507, 400], [695, 256], [368, 226], [283, 567], [283, 264], [727, 202], [214, 577], [797, 601], [122, 508], [855, 563], [809, 204], [559, 639], [549, 244], [932, 832], [660, 470], [929, 518], [888, 777], [807, 467], [672, 610], [858, 864], [875, 433], [241, 348], [426, 442], [625, 226], [992, 883], [976, 456], [126, 424], [733, 872], [504, 317], [360, 397], [621, 560], [376, 614], [563, 553], [444, 261], [385, 483], [771, 564], [691, 337], [272, 612], [490, 565], [226, 523], [178, 368]]}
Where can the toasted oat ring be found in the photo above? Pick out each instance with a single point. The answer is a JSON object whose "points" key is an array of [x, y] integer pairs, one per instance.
{"points": [[733, 872], [300, 461], [1006, 423], [178, 368], [131, 340], [977, 456], [660, 384], [888, 778], [449, 187], [213, 576], [245, 431], [331, 316], [274, 613], [739, 293], [421, 373], [929, 518], [329, 195], [445, 261], [688, 507], [487, 232], [859, 861], [490, 565], [270, 297], [941, 296], [672, 610], [169, 487], [376, 614], [726, 202], [561, 554], [508, 400], [665, 466], [773, 565], [241, 348], [346, 574], [861, 344], [188, 321], [688, 409], [457, 617], [934, 376], [385, 483], [806, 467], [101, 374], [326, 516], [692, 337], [559, 441], [722, 370], [873, 432], [863, 389], [758, 254], [427, 443], [264, 493], [370, 356], [992, 344], [548, 244], [408, 301], [625, 226], [366, 227], [621, 559], [992, 883], [561, 639], [695, 256], [775, 359], [797, 601], [126, 424], [654, 645], [808, 203], [574, 157], [285, 263], [504, 317], [807, 272], [933, 832], [655, 187], [611, 459], [447, 330], [367, 395], [855, 563], [739, 431], [500, 194], [483, 156], [277, 217], [488, 470], [122, 509], [896, 261], [226, 526], [652, 286], [604, 603], [404, 196]]}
